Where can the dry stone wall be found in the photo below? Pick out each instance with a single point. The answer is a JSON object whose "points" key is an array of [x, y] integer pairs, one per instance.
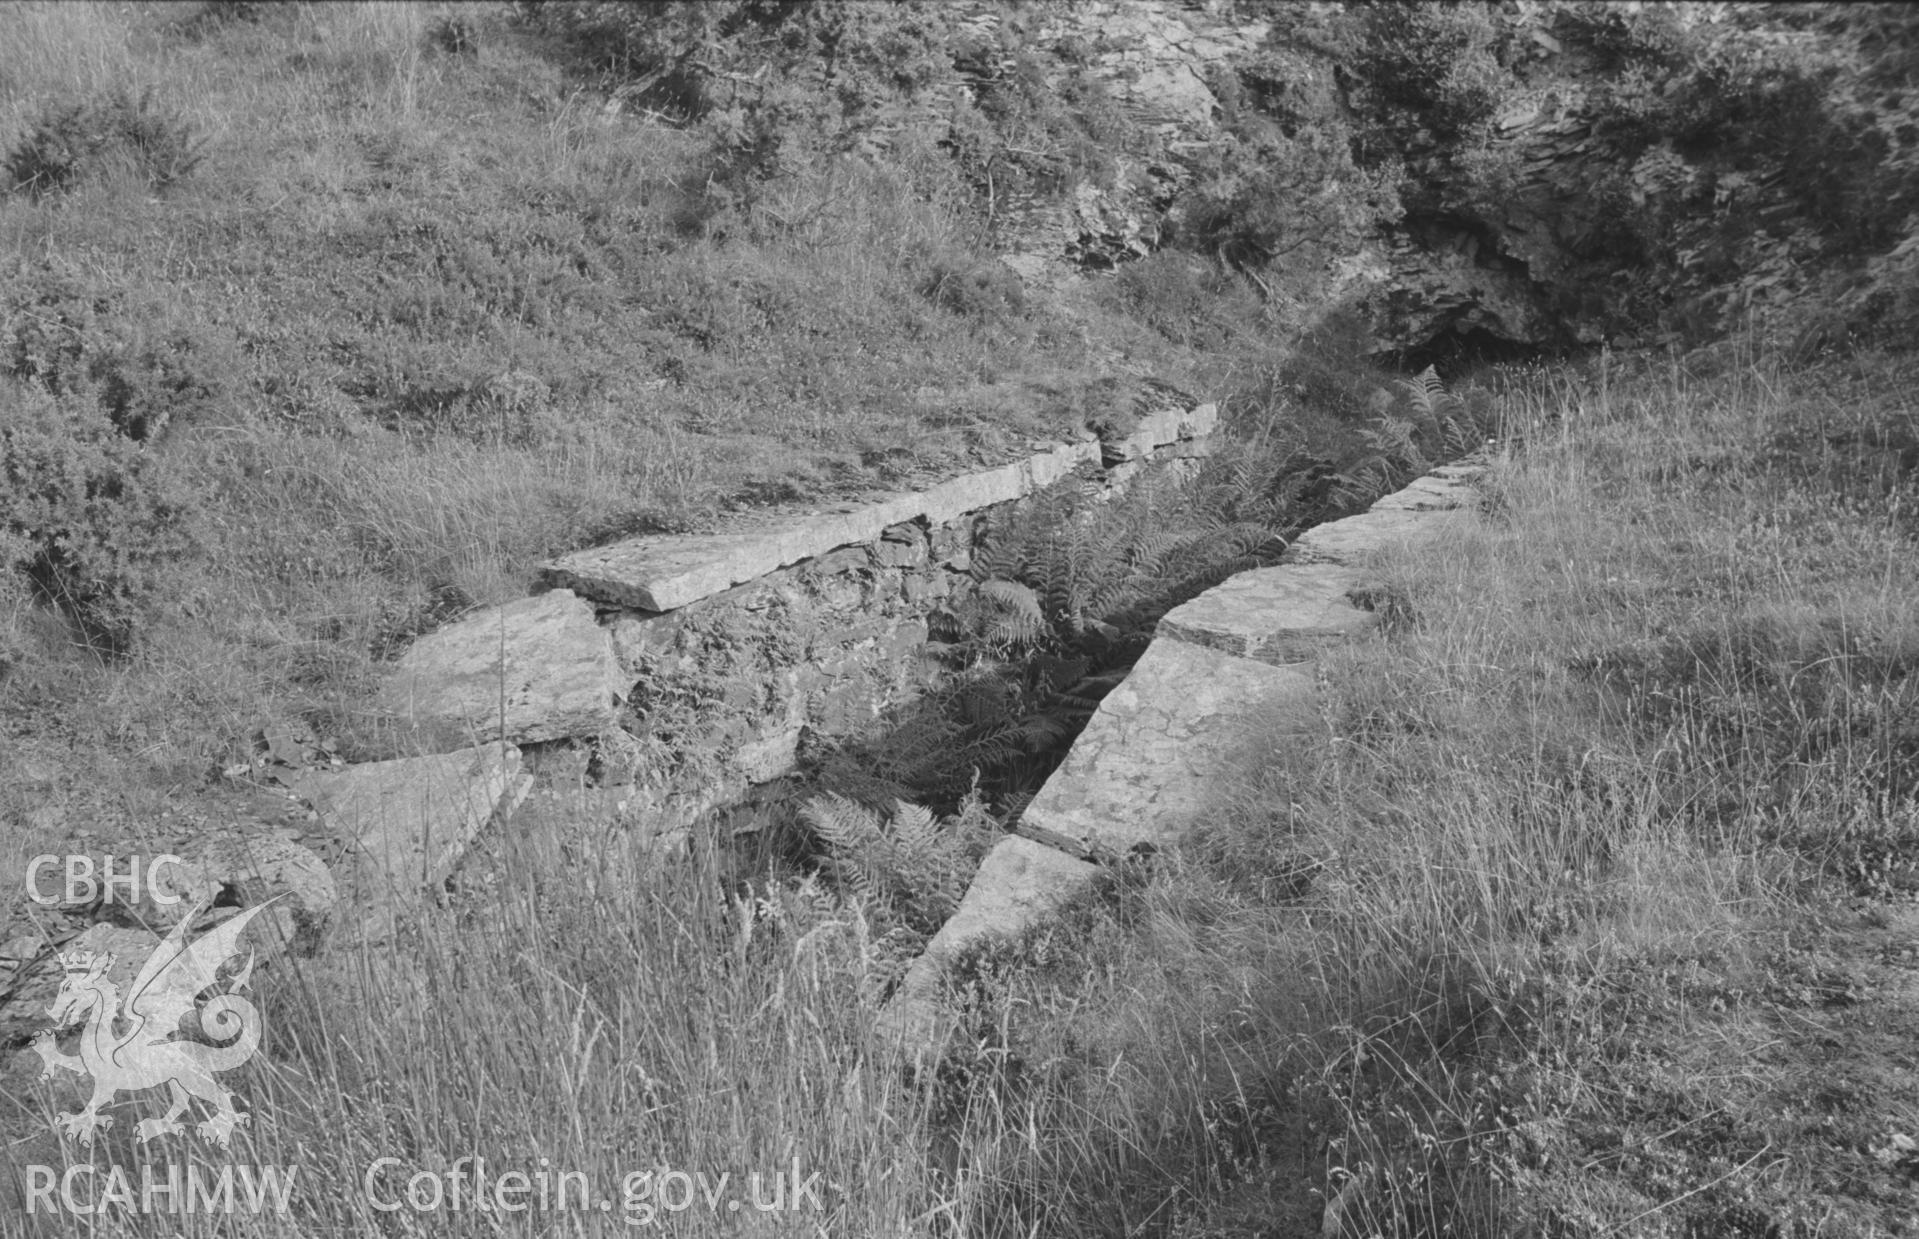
{"points": [[703, 665], [698, 666]]}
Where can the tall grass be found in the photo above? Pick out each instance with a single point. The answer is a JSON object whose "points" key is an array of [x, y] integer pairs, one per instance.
{"points": [[1610, 742], [1607, 741], [1601, 749], [53, 47]]}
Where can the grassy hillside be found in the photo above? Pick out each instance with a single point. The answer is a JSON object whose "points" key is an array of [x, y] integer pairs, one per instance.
{"points": [[1591, 915], [323, 323]]}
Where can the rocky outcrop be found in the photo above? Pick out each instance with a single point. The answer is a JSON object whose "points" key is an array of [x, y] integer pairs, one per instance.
{"points": [[1158, 62]]}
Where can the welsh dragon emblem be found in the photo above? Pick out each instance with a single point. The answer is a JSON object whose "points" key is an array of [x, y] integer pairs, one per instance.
{"points": [[149, 1053]]}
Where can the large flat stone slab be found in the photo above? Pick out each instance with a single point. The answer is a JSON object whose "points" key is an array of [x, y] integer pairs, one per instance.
{"points": [[1019, 887], [665, 573], [1352, 540], [537, 669], [1287, 614], [1187, 721], [1433, 493], [951, 500], [409, 821]]}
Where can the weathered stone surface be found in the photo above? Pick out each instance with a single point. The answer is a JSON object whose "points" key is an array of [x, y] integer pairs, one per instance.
{"points": [[1161, 744], [903, 546], [1164, 429], [1351, 540], [1430, 494], [249, 870], [659, 574], [543, 666], [1020, 885], [662, 573], [952, 500], [768, 758], [1276, 615], [410, 820]]}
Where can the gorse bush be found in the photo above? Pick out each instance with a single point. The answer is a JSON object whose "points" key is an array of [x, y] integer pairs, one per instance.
{"points": [[1431, 68], [145, 364], [96, 521], [783, 91], [91, 382], [1267, 198], [74, 141]]}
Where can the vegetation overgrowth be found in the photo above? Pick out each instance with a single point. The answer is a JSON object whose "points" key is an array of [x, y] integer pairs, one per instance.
{"points": [[1589, 911], [301, 359]]}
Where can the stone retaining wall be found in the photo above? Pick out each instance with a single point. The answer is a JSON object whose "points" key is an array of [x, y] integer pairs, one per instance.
{"points": [[697, 666], [1226, 675]]}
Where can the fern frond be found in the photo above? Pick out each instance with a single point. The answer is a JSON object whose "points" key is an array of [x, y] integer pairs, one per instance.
{"points": [[1424, 391], [841, 823], [917, 840]]}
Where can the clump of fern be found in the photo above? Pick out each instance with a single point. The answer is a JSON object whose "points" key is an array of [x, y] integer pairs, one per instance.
{"points": [[909, 862], [1436, 425], [1079, 572]]}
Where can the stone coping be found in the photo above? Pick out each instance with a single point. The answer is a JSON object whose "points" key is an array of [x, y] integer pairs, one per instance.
{"points": [[664, 573]]}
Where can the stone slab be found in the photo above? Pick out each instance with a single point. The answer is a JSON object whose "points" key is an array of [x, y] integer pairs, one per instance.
{"points": [[1163, 429], [664, 573], [1020, 886], [1350, 541], [1431, 493], [1287, 614], [951, 500], [409, 821], [1185, 721], [543, 666]]}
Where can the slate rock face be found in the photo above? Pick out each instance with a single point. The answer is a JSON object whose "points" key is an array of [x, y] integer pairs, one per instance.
{"points": [[542, 664]]}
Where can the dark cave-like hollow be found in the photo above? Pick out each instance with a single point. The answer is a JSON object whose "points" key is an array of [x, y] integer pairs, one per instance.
{"points": [[1454, 354]]}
